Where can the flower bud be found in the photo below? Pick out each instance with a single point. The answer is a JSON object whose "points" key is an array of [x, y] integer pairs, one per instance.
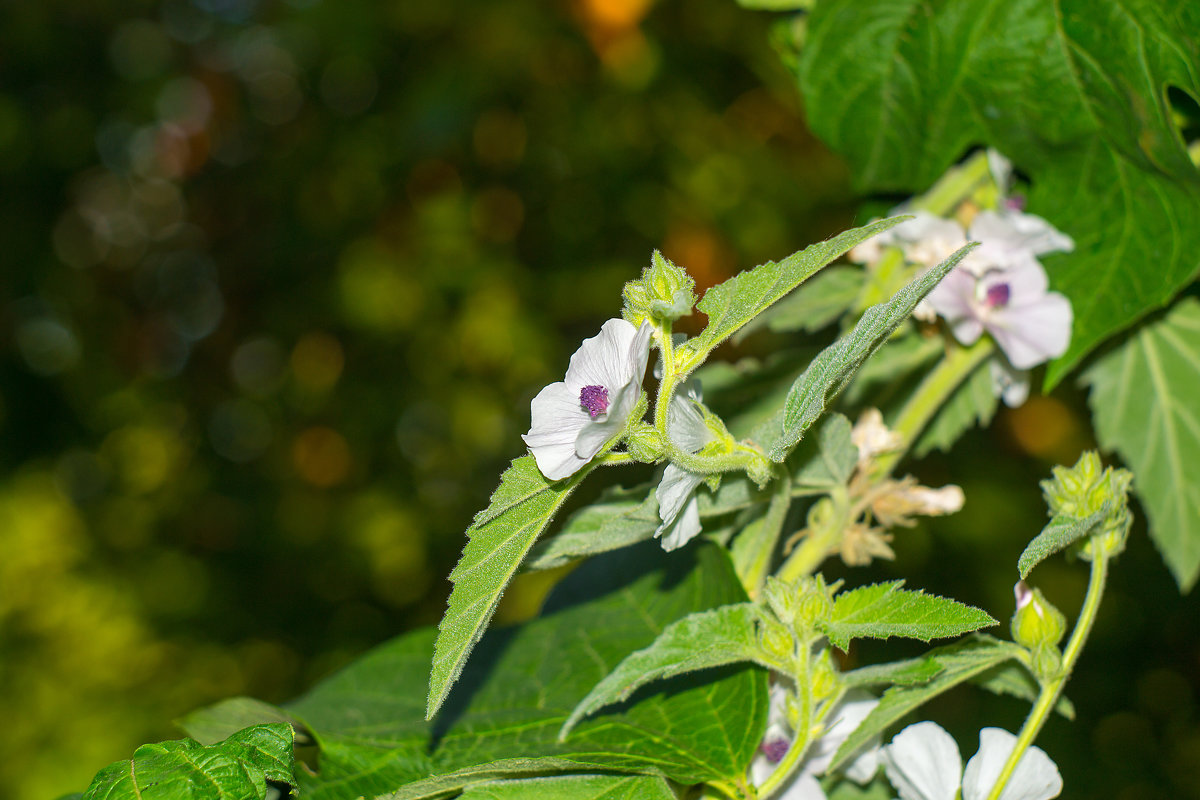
{"points": [[1036, 622], [664, 292], [1083, 490], [776, 641], [644, 443], [824, 677], [814, 603]]}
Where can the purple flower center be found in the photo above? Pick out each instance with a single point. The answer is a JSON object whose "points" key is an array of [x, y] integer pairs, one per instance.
{"points": [[998, 295], [594, 399], [775, 749], [1015, 202]]}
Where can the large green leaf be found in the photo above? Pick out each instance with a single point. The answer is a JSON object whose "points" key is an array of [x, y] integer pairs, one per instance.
{"points": [[732, 304], [959, 662], [830, 371], [884, 610], [573, 787], [1144, 397], [816, 303], [904, 87], [503, 717], [827, 459], [235, 769], [706, 639], [497, 542]]}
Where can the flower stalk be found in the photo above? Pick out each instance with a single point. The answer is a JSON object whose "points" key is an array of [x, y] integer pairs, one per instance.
{"points": [[1052, 689]]}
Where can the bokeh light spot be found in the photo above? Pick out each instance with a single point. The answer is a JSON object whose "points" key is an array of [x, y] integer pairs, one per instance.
{"points": [[375, 294], [321, 457], [317, 361], [240, 430]]}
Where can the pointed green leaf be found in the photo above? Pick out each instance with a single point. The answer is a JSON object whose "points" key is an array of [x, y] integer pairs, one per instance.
{"points": [[884, 610], [973, 403], [732, 304], [903, 87], [1144, 397], [1013, 679], [503, 717], [706, 639], [897, 673], [1059, 533], [574, 787], [959, 662], [817, 302], [827, 459], [501, 535], [224, 718], [829, 372], [236, 769]]}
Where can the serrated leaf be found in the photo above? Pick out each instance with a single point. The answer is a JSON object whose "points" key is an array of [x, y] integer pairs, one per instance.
{"points": [[224, 718], [827, 459], [574, 787], [702, 640], [503, 717], [883, 610], [973, 403], [520, 509], [1059, 533], [236, 769], [1012, 679], [733, 303], [829, 372], [960, 662], [897, 673], [903, 87], [1143, 396]]}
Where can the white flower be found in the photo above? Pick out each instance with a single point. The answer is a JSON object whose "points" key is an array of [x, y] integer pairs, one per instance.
{"points": [[678, 507], [925, 239], [847, 716], [573, 419], [1009, 238], [1029, 323], [923, 763], [872, 437]]}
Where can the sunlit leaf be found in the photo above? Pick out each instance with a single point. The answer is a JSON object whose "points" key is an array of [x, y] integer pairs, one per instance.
{"points": [[883, 610]]}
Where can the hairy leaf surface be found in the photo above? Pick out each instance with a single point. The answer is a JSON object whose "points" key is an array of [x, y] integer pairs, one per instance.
{"points": [[1061, 532], [501, 535], [573, 787]]}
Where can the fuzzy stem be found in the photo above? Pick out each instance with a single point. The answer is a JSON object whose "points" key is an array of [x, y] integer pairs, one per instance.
{"points": [[931, 395], [1052, 689], [753, 572]]}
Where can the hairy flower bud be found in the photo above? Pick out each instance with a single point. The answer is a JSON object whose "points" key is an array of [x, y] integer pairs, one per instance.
{"points": [[1085, 489], [1036, 621], [664, 292], [644, 443]]}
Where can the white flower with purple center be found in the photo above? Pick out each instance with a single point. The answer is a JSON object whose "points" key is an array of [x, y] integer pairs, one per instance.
{"points": [[678, 506], [1029, 323], [846, 717], [923, 763], [575, 418]]}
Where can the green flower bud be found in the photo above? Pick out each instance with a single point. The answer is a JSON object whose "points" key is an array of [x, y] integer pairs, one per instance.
{"points": [[1083, 490], [814, 603], [1036, 622], [644, 443], [825, 678], [1047, 662], [776, 641], [664, 292]]}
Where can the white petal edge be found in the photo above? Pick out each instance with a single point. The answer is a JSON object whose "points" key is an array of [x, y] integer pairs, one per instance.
{"points": [[923, 763], [557, 419], [1035, 778]]}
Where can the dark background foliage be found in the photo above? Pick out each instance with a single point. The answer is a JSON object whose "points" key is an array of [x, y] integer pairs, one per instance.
{"points": [[279, 280]]}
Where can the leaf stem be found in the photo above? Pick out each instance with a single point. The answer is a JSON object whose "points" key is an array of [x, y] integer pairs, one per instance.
{"points": [[1052, 689], [931, 395], [955, 186], [762, 548]]}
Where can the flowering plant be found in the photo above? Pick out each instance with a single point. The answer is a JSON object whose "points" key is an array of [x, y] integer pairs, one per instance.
{"points": [[701, 646]]}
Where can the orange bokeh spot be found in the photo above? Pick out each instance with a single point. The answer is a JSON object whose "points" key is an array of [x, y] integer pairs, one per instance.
{"points": [[321, 457]]}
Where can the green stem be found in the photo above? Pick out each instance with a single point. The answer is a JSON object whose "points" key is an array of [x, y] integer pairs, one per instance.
{"points": [[754, 566], [955, 186], [795, 754], [1053, 688], [816, 545], [931, 395]]}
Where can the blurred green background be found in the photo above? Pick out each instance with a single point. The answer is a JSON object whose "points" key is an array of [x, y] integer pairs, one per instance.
{"points": [[279, 280]]}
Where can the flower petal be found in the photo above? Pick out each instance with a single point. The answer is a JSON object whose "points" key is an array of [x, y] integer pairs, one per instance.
{"points": [[923, 763], [686, 423], [1033, 332], [677, 506], [1009, 383], [604, 359], [683, 528], [803, 787], [557, 421], [954, 300], [1035, 778]]}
